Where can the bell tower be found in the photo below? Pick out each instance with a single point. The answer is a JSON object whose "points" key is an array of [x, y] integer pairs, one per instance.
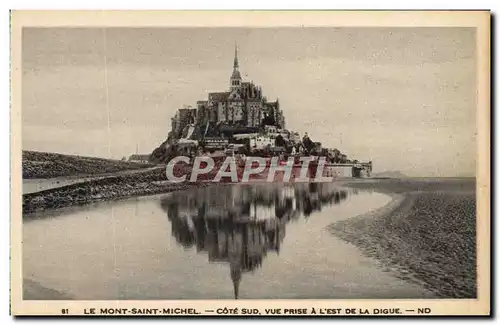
{"points": [[235, 81]]}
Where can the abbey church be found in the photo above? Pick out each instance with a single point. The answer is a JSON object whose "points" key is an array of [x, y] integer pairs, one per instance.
{"points": [[242, 104]]}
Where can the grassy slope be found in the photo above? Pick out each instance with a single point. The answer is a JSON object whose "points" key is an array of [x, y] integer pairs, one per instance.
{"points": [[429, 238], [48, 165]]}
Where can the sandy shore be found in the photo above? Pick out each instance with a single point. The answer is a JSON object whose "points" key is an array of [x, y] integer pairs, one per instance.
{"points": [[427, 234]]}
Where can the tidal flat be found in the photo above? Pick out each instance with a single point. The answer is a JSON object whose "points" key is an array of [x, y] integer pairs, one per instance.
{"points": [[427, 234]]}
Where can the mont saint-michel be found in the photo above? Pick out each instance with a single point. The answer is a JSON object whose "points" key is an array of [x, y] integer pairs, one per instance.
{"points": [[247, 163], [241, 121]]}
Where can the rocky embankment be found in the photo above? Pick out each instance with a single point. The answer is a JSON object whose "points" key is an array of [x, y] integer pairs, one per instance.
{"points": [[149, 182], [48, 165], [426, 235]]}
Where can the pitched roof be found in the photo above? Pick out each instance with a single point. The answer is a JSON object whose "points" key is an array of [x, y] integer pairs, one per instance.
{"points": [[218, 97]]}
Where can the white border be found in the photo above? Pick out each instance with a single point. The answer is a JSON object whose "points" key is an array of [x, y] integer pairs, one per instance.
{"points": [[186, 4]]}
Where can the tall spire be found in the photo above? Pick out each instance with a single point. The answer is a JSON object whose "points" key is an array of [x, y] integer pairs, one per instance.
{"points": [[235, 66], [235, 81]]}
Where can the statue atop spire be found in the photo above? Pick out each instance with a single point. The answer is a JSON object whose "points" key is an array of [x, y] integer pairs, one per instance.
{"points": [[235, 65], [235, 81]]}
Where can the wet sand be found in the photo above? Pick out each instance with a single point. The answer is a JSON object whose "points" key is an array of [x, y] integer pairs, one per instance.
{"points": [[180, 246], [426, 234]]}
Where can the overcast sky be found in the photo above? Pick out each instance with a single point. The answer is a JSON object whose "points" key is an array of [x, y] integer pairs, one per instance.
{"points": [[404, 98]]}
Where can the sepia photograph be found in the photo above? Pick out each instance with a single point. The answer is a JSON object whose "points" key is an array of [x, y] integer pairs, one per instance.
{"points": [[298, 164]]}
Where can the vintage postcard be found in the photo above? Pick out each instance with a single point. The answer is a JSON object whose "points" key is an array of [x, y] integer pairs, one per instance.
{"points": [[260, 163]]}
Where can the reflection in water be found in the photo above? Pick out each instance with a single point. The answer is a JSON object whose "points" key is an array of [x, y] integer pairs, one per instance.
{"points": [[240, 224]]}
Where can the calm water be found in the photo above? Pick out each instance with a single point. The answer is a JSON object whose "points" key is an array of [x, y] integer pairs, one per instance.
{"points": [[250, 241]]}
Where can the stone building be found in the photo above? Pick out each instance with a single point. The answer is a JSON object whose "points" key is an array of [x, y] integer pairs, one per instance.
{"points": [[241, 109], [182, 118], [243, 103]]}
